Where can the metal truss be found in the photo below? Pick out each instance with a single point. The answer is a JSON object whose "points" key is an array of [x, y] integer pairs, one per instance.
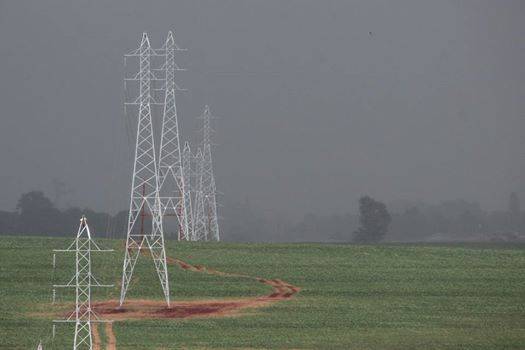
{"points": [[200, 231], [209, 195], [169, 67], [171, 175], [145, 201], [152, 75], [82, 281], [187, 175], [207, 183]]}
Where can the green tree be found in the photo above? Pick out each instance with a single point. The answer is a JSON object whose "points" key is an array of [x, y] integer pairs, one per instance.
{"points": [[374, 220]]}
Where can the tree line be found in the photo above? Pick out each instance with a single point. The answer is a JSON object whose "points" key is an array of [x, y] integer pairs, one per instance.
{"points": [[451, 220], [374, 221], [36, 215]]}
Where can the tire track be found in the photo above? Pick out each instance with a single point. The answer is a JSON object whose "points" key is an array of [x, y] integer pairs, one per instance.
{"points": [[281, 289], [96, 336], [111, 340]]}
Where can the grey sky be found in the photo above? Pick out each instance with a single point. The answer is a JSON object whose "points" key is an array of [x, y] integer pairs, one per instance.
{"points": [[319, 101]]}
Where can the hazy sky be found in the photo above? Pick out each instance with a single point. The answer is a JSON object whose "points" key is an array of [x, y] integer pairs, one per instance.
{"points": [[319, 101]]}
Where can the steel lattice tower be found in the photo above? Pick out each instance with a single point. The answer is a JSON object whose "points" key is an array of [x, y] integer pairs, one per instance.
{"points": [[206, 128], [187, 175], [208, 181], [145, 200], [171, 176], [200, 231], [209, 195], [82, 281]]}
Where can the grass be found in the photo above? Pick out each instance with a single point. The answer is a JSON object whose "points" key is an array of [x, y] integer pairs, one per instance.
{"points": [[352, 297]]}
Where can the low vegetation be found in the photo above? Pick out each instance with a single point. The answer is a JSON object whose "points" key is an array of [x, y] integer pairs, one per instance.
{"points": [[351, 297]]}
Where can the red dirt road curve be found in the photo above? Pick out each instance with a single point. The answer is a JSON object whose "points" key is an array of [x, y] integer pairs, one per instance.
{"points": [[157, 309], [153, 309]]}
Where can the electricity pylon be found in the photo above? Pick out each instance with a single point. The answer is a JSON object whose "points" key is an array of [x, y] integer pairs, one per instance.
{"points": [[209, 195], [206, 127], [171, 175], [145, 200], [187, 175], [208, 181], [200, 231], [82, 281]]}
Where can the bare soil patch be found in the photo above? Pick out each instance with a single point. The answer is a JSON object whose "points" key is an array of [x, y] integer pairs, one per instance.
{"points": [[136, 309], [157, 309]]}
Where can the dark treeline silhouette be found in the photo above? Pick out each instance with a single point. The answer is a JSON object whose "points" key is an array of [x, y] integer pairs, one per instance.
{"points": [[456, 220], [374, 220], [36, 215], [453, 220]]}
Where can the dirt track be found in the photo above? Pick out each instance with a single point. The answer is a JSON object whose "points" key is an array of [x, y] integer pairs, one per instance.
{"points": [[157, 309], [153, 309], [281, 289], [96, 336], [111, 341]]}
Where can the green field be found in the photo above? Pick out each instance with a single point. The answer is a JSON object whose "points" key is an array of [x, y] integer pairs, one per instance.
{"points": [[352, 297]]}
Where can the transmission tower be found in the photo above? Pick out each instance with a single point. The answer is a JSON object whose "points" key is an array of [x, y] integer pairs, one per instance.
{"points": [[187, 175], [145, 200], [171, 175], [200, 231], [209, 195], [82, 281], [208, 181]]}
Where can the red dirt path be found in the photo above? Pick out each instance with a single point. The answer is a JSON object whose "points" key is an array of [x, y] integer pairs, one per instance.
{"points": [[149, 309], [111, 343], [96, 336]]}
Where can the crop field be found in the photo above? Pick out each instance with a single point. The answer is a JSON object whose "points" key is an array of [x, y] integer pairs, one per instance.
{"points": [[275, 296]]}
